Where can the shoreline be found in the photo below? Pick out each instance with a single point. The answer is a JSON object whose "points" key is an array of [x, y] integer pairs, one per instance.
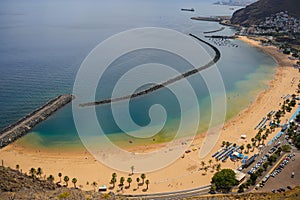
{"points": [[85, 168]]}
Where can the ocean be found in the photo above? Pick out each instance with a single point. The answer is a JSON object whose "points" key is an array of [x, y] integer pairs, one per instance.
{"points": [[43, 43]]}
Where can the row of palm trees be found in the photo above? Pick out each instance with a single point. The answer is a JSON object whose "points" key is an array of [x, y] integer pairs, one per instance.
{"points": [[213, 167], [37, 173], [129, 181], [66, 179]]}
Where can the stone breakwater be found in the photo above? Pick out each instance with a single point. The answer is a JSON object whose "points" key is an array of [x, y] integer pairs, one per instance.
{"points": [[25, 124], [164, 84]]}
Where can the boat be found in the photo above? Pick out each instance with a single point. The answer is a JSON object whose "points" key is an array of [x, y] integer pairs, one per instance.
{"points": [[188, 9]]}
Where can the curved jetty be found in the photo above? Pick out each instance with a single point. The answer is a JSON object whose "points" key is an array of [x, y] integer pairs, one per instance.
{"points": [[25, 124], [168, 82], [214, 31]]}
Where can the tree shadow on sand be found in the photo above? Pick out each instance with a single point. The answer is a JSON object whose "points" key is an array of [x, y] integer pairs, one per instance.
{"points": [[145, 190]]}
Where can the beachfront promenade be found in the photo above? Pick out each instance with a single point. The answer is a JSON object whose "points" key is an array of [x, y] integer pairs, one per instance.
{"points": [[25, 124], [216, 58]]}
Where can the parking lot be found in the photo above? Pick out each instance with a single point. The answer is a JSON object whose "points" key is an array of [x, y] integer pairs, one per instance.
{"points": [[283, 179]]}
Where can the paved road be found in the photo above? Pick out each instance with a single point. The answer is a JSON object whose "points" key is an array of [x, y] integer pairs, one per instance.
{"points": [[173, 195]]}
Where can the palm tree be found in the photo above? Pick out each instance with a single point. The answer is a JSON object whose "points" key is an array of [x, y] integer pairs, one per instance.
{"points": [[202, 164], [132, 169], [66, 179], [205, 169], [39, 172], [223, 143], [210, 162], [218, 167], [113, 181], [17, 167], [242, 148], [122, 179], [264, 137], [114, 175], [50, 178], [147, 183], [272, 127], [227, 144], [253, 145], [248, 147], [74, 181], [138, 181], [129, 180], [259, 139], [32, 172], [94, 184], [60, 175], [143, 176]]}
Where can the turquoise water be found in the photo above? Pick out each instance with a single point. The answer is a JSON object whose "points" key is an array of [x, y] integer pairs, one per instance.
{"points": [[42, 44]]}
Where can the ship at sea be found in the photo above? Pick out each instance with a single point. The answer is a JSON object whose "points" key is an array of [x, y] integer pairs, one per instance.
{"points": [[188, 9]]}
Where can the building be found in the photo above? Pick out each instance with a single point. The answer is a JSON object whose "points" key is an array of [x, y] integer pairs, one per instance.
{"points": [[239, 176]]}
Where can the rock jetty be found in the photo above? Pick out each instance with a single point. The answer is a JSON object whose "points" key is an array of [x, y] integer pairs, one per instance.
{"points": [[164, 84], [25, 124]]}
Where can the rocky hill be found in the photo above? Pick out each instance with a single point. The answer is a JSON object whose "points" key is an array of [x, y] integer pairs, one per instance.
{"points": [[16, 185], [256, 12]]}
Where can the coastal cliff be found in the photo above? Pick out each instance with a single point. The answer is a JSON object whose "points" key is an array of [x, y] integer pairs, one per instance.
{"points": [[256, 12]]}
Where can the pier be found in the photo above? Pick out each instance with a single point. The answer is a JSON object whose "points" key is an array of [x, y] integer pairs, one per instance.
{"points": [[164, 84], [222, 36], [214, 31], [212, 19], [21, 127]]}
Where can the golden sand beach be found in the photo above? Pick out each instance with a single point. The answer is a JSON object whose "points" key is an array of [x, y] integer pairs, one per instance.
{"points": [[183, 173]]}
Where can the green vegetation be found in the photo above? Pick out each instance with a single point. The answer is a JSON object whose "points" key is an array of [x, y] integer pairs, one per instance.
{"points": [[39, 172], [224, 180], [129, 180], [122, 179], [60, 175], [293, 134], [147, 183], [286, 148], [50, 178], [32, 172], [94, 184], [63, 195], [143, 176], [74, 181], [66, 180]]}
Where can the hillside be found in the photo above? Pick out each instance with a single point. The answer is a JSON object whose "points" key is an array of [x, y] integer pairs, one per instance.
{"points": [[256, 12], [16, 185]]}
